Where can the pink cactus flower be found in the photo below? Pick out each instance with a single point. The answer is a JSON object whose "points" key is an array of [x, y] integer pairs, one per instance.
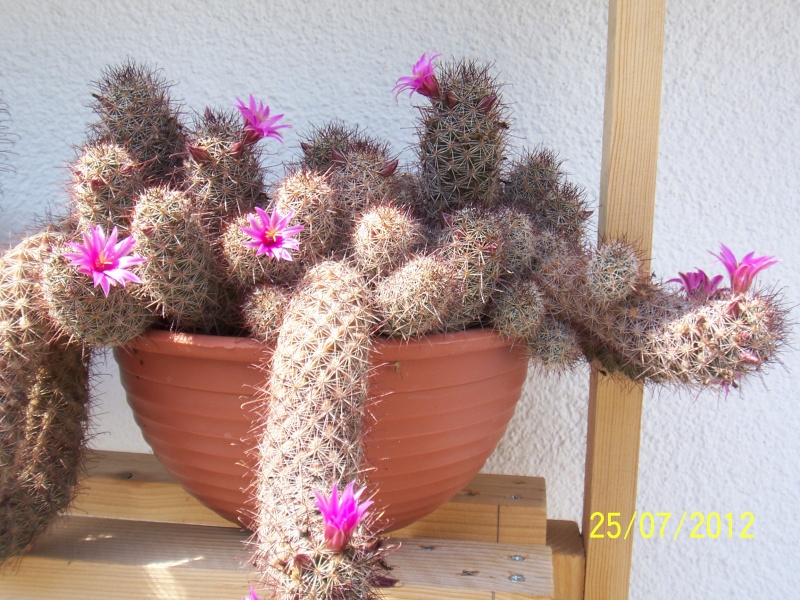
{"points": [[272, 234], [341, 515], [697, 285], [742, 273], [105, 259], [422, 80], [258, 123], [725, 384], [251, 596]]}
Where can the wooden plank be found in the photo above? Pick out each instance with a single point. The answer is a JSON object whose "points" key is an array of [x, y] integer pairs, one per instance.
{"points": [[122, 485], [476, 522], [475, 566], [631, 122], [518, 526], [569, 559], [492, 508], [627, 196], [86, 558]]}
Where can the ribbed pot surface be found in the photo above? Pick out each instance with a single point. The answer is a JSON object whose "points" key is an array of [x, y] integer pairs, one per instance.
{"points": [[438, 408]]}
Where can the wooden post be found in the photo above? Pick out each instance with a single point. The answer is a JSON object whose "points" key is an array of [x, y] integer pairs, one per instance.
{"points": [[627, 195]]}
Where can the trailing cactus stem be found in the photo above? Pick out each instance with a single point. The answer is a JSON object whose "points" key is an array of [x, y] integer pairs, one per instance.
{"points": [[312, 439], [41, 467], [653, 334]]}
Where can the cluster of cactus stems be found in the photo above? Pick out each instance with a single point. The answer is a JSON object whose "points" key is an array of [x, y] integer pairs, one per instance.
{"points": [[345, 247]]}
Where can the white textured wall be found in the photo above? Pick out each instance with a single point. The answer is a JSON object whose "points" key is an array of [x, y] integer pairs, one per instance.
{"points": [[728, 172]]}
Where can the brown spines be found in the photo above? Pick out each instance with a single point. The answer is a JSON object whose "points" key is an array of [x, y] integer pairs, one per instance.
{"points": [[315, 205], [83, 313], [325, 145], [25, 327], [263, 310], [536, 185], [223, 173], [462, 139], [519, 241], [613, 271], [385, 237], [41, 464], [719, 342], [106, 182], [517, 311], [179, 279], [473, 243], [136, 112], [362, 178], [555, 346], [312, 438], [43, 397], [420, 297]]}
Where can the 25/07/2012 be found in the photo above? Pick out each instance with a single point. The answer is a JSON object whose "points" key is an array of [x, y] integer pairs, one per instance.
{"points": [[701, 525]]}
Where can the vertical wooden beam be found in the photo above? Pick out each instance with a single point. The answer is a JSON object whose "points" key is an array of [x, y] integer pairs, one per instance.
{"points": [[627, 196]]}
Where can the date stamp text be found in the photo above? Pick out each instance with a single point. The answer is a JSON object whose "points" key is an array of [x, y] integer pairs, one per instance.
{"points": [[668, 525]]}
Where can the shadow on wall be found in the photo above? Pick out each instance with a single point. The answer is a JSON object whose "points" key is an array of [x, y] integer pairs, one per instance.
{"points": [[6, 139]]}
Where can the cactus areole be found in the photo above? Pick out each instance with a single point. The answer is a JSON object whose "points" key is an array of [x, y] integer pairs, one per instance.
{"points": [[349, 253]]}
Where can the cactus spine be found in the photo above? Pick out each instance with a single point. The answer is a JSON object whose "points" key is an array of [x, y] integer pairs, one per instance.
{"points": [[263, 311], [536, 185], [107, 182], [421, 297], [136, 112], [43, 397], [179, 278], [40, 469], [462, 139], [223, 173], [385, 237], [312, 438], [84, 314]]}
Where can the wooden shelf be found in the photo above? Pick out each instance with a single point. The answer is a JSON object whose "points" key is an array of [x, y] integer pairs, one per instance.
{"points": [[134, 533]]}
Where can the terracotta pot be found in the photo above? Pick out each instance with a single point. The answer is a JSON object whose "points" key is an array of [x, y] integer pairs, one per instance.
{"points": [[439, 406]]}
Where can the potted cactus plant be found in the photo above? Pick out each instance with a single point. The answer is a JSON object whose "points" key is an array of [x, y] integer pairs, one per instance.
{"points": [[329, 283]]}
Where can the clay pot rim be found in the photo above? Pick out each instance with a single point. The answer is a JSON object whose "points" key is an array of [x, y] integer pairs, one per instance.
{"points": [[159, 341]]}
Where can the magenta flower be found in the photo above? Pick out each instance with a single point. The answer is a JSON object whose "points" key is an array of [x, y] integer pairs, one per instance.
{"points": [[341, 515], [271, 234], [726, 384], [742, 273], [251, 596], [697, 285], [422, 80], [258, 123], [104, 259]]}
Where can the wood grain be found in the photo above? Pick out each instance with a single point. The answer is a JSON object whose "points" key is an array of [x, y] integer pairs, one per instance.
{"points": [[627, 199], [87, 558], [135, 533], [569, 559]]}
